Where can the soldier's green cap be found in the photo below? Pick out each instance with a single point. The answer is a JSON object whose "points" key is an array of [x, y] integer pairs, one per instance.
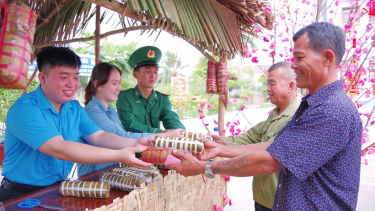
{"points": [[145, 56]]}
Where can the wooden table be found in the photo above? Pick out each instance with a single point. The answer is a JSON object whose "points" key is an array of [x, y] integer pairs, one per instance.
{"points": [[51, 196]]}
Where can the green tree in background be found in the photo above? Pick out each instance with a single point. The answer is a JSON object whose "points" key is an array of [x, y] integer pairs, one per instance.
{"points": [[112, 53], [170, 67], [9, 96]]}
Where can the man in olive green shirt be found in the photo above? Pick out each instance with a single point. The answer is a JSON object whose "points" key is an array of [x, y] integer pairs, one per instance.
{"points": [[142, 108], [282, 93]]}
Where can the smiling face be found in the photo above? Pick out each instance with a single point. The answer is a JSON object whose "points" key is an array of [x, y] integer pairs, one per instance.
{"points": [[309, 66], [146, 76], [278, 88], [60, 84], [109, 91]]}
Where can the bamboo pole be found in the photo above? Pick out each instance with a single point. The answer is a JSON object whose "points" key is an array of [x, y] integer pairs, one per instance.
{"points": [[97, 35]]}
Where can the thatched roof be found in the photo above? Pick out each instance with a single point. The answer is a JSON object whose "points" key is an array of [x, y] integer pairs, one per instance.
{"points": [[220, 27]]}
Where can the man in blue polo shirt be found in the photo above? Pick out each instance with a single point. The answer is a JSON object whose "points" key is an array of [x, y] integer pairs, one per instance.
{"points": [[318, 152], [44, 126]]}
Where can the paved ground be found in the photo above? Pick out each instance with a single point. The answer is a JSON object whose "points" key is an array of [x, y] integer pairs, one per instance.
{"points": [[240, 188]]}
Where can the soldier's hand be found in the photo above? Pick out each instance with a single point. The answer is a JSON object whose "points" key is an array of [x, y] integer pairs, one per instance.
{"points": [[219, 140]]}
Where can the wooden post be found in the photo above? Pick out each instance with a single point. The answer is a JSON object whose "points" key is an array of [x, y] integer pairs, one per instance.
{"points": [[97, 35], [222, 105]]}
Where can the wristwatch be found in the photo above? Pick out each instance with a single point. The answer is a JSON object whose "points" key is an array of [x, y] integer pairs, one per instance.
{"points": [[208, 171]]}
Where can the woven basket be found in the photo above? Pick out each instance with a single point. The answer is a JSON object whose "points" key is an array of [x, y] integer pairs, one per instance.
{"points": [[16, 39], [173, 192]]}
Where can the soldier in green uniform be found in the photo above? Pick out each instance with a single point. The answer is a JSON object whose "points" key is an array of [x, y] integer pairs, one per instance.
{"points": [[142, 108]]}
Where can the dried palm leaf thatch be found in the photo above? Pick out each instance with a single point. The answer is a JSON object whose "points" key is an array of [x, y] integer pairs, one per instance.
{"points": [[217, 26]]}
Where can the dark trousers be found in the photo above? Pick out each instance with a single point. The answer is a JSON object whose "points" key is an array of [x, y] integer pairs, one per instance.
{"points": [[259, 207], [10, 189]]}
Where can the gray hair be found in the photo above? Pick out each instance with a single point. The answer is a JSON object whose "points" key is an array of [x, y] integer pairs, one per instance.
{"points": [[324, 35], [287, 72]]}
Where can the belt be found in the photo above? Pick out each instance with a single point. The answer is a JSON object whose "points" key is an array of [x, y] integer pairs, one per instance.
{"points": [[18, 187]]}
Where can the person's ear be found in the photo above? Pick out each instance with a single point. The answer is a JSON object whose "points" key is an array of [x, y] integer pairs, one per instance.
{"points": [[135, 74], [292, 85], [329, 57], [95, 83], [42, 77]]}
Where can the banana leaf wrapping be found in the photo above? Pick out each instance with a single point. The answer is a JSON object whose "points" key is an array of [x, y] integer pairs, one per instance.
{"points": [[186, 144], [123, 183], [16, 39], [86, 189], [156, 155], [195, 135], [145, 175]]}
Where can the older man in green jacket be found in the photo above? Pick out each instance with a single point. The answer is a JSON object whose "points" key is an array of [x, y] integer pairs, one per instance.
{"points": [[282, 93], [142, 108]]}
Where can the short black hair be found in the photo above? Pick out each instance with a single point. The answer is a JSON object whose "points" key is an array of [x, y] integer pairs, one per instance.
{"points": [[53, 56], [324, 35]]}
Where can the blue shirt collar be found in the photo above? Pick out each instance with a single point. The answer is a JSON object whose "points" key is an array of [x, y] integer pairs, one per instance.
{"points": [[44, 103], [323, 93], [100, 104]]}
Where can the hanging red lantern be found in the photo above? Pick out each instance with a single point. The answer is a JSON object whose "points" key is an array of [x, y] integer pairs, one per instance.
{"points": [[354, 42], [371, 7]]}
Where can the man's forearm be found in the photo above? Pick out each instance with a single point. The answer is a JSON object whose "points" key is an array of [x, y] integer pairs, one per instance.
{"points": [[252, 164], [113, 141], [235, 151]]}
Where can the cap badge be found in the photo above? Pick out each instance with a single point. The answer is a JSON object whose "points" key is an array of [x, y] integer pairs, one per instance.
{"points": [[151, 54]]}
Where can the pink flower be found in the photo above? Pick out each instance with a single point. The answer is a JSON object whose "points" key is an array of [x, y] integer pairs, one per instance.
{"points": [[348, 74], [226, 178], [255, 50], [193, 98], [272, 46], [370, 151], [336, 3], [200, 110], [228, 123], [265, 39], [282, 16], [217, 208], [229, 102], [206, 125], [366, 161], [242, 108], [215, 122], [248, 98], [227, 200], [297, 11], [272, 54], [231, 130], [201, 117], [223, 132], [290, 49], [234, 100], [267, 10], [245, 48], [372, 80], [202, 104], [254, 60], [257, 30], [209, 106], [372, 123], [248, 54]]}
